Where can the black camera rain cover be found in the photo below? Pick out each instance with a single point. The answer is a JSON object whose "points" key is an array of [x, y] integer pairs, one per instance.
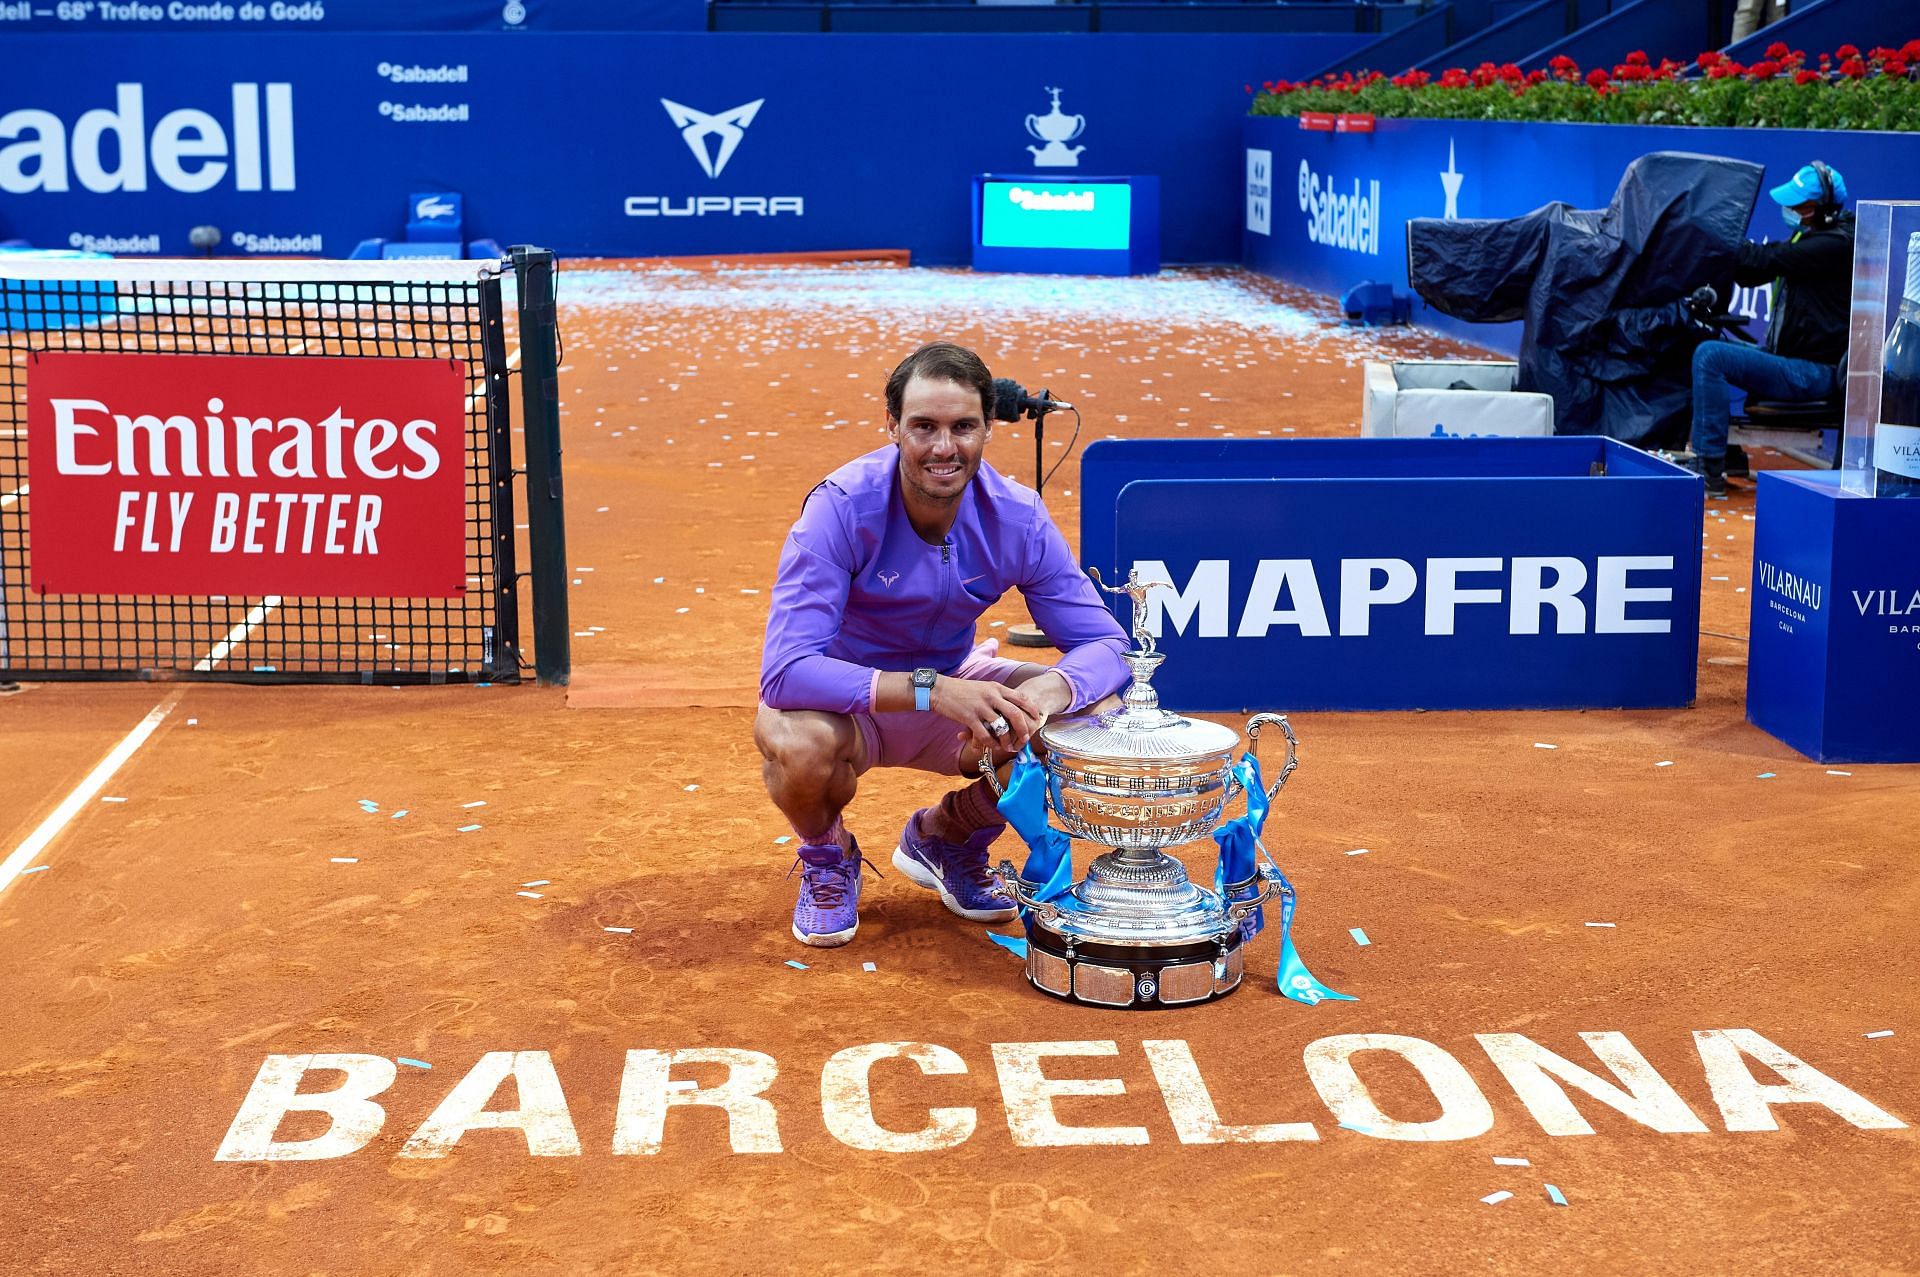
{"points": [[1600, 290]]}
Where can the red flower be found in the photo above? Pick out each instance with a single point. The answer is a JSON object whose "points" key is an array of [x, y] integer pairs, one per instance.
{"points": [[1721, 71], [1895, 67], [1846, 51], [1882, 54], [1636, 59], [1911, 51], [1708, 60], [1825, 62], [1854, 69], [1536, 76], [1764, 70], [1778, 51], [1597, 78], [1562, 63], [1805, 77]]}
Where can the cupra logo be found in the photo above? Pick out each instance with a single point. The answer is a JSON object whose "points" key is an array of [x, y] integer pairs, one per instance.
{"points": [[725, 127]]}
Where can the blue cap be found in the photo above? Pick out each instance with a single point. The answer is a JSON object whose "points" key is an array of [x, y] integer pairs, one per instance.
{"points": [[1805, 185]]}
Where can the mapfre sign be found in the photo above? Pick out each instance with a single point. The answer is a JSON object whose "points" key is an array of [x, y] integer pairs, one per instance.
{"points": [[249, 475]]}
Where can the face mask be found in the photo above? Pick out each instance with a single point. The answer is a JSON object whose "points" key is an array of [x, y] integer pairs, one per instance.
{"points": [[1790, 217]]}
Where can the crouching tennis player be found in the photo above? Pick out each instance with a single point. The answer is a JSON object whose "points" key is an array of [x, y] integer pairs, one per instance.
{"points": [[870, 660]]}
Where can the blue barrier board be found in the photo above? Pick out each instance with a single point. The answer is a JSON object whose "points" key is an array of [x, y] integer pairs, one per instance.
{"points": [[1364, 574], [1833, 664], [1329, 210]]}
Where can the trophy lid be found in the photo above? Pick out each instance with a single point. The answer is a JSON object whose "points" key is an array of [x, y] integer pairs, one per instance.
{"points": [[1127, 735]]}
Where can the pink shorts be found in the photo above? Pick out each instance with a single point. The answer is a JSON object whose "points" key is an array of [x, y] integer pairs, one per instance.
{"points": [[923, 740]]}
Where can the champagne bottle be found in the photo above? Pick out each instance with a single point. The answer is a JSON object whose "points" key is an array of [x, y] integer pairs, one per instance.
{"points": [[1896, 440]]}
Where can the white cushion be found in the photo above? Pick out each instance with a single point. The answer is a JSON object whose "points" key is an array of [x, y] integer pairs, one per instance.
{"points": [[1409, 400]]}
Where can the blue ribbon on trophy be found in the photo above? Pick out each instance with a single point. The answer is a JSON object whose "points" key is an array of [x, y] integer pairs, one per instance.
{"points": [[1049, 852], [1050, 865], [1241, 855]]}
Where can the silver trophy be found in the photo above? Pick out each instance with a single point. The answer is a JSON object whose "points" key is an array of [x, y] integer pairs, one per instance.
{"points": [[1136, 932]]}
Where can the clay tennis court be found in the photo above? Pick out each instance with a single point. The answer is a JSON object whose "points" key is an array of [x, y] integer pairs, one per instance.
{"points": [[226, 896]]}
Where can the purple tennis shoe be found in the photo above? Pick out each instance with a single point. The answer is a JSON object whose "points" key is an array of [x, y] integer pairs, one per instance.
{"points": [[958, 871], [828, 911]]}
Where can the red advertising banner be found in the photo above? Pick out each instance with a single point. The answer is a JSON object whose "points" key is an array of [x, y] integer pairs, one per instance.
{"points": [[247, 474]]}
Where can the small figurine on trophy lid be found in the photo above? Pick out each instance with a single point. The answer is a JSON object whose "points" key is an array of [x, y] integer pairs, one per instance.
{"points": [[1136, 932]]}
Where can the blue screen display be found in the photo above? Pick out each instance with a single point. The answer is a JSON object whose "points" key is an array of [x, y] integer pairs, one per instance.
{"points": [[1056, 214]]}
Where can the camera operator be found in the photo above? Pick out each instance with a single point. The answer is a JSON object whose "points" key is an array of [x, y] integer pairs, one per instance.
{"points": [[1806, 341]]}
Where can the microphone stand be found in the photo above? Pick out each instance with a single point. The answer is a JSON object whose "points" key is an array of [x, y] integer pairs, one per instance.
{"points": [[1025, 635]]}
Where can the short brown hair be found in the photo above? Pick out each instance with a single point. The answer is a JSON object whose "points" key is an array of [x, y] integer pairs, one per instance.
{"points": [[941, 361]]}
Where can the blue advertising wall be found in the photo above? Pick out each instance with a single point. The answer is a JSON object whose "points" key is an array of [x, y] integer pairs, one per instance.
{"points": [[1369, 574], [779, 143], [95, 17], [1335, 205]]}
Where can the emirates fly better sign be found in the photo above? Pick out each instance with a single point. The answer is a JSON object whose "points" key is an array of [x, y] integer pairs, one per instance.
{"points": [[246, 474]]}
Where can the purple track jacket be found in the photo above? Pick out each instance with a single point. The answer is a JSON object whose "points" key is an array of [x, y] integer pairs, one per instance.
{"points": [[859, 592]]}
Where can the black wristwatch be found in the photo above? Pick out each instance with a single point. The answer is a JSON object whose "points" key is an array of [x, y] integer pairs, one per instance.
{"points": [[923, 688]]}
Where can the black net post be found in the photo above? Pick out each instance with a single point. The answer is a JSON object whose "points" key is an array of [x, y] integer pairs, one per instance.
{"points": [[546, 510]]}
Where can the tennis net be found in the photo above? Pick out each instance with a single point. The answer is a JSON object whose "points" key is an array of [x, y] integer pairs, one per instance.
{"points": [[387, 318]]}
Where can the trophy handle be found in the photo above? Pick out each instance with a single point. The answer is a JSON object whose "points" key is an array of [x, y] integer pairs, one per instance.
{"points": [[1254, 725], [1079, 127], [1008, 880], [1269, 881], [1032, 129]]}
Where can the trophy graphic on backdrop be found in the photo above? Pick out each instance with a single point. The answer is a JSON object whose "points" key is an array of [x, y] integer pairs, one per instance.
{"points": [[1056, 129], [1136, 932]]}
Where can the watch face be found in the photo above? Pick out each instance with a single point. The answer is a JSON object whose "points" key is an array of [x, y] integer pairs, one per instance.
{"points": [[923, 678]]}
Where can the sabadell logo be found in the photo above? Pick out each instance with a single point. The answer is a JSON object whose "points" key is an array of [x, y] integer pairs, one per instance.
{"points": [[116, 148]]}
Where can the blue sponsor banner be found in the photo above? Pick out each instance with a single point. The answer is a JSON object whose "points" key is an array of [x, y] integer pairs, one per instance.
{"points": [[1328, 210], [108, 17], [1833, 665], [607, 145], [1371, 574]]}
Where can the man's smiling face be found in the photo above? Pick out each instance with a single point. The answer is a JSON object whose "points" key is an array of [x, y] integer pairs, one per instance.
{"points": [[942, 432]]}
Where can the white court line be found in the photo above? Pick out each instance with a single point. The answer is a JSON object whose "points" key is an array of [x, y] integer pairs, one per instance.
{"points": [[96, 779], [84, 792], [13, 496], [238, 634]]}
